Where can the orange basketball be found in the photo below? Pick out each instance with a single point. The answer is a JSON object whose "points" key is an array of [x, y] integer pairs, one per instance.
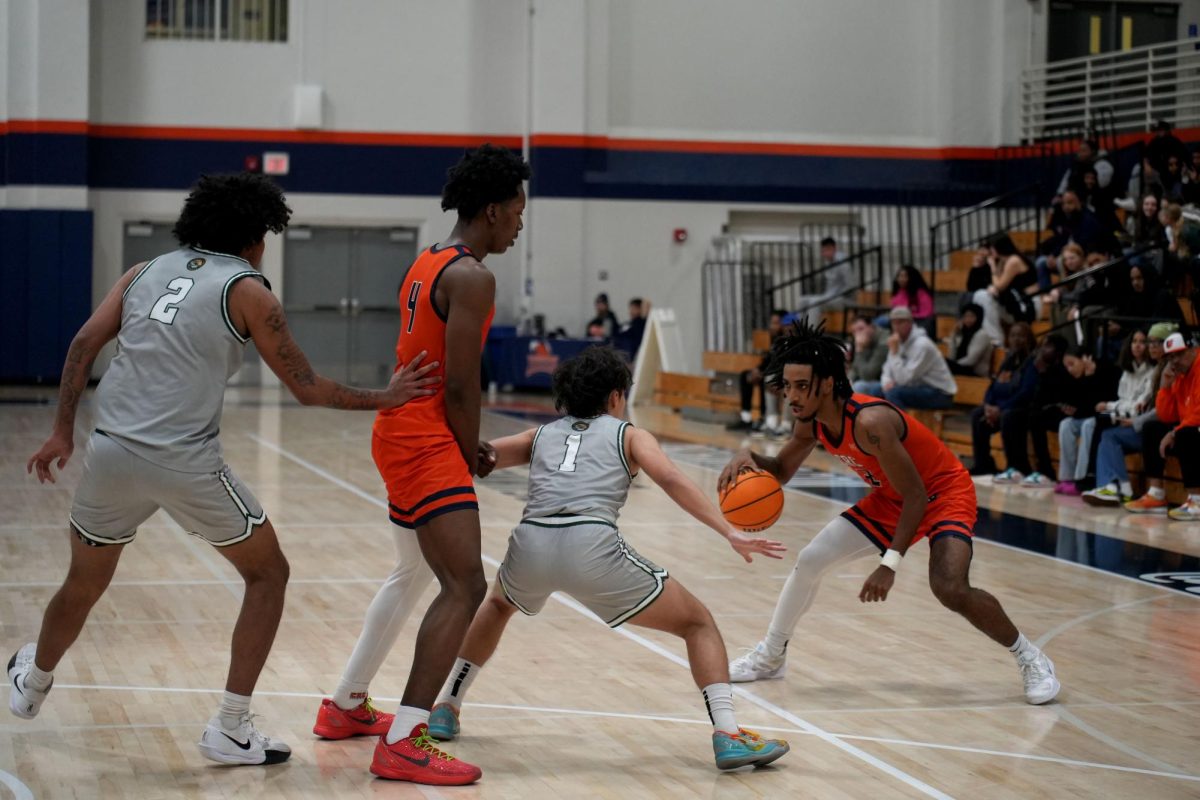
{"points": [[753, 501]]}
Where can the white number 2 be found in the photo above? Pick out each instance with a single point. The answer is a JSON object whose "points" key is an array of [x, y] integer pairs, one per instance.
{"points": [[568, 463], [165, 309]]}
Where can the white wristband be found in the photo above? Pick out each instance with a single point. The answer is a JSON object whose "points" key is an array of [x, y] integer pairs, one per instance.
{"points": [[891, 559]]}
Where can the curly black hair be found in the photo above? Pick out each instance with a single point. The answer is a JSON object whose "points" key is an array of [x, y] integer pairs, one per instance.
{"points": [[806, 344], [582, 384], [228, 213], [487, 174]]}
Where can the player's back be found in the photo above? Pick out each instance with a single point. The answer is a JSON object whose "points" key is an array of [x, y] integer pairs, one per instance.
{"points": [[939, 468], [423, 328], [177, 348], [578, 468]]}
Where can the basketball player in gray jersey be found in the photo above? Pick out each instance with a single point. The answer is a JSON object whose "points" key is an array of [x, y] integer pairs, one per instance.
{"points": [[580, 470], [182, 322]]}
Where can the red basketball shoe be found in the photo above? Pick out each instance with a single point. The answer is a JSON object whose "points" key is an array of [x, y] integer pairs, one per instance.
{"points": [[333, 722], [417, 759]]}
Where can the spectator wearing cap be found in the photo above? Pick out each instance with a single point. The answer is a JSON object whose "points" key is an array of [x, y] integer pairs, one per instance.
{"points": [[1178, 399], [1141, 373], [605, 319], [1164, 145], [914, 374]]}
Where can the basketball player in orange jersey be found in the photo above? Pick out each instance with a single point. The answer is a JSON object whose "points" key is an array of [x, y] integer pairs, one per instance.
{"points": [[427, 457], [919, 490]]}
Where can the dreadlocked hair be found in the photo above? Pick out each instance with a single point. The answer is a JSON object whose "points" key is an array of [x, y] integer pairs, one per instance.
{"points": [[582, 384], [487, 174], [808, 344], [228, 213]]}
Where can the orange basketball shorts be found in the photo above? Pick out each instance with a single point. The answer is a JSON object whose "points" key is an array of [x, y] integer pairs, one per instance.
{"points": [[425, 478], [950, 513]]}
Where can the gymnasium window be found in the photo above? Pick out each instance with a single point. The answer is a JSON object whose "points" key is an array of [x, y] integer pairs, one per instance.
{"points": [[218, 20]]}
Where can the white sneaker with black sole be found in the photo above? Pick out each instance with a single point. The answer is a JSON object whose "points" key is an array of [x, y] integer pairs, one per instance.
{"points": [[242, 745], [24, 701]]}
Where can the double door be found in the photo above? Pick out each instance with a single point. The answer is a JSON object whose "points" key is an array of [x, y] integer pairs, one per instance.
{"points": [[340, 294]]}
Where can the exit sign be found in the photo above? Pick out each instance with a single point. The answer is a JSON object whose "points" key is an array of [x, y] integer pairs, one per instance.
{"points": [[276, 163]]}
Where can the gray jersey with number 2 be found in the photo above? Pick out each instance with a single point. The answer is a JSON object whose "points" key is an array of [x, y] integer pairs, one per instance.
{"points": [[578, 468], [162, 395]]}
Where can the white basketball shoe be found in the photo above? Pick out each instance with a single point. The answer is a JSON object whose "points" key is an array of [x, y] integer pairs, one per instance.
{"points": [[757, 665], [242, 745], [1041, 684], [24, 701]]}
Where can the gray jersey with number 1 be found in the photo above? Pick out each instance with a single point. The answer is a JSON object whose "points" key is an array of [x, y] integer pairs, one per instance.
{"points": [[578, 468], [162, 395]]}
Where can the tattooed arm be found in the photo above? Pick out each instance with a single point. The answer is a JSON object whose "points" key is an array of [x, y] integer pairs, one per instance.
{"points": [[257, 313], [98, 331]]}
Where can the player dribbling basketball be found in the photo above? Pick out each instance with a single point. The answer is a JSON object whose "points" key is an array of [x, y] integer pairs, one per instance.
{"points": [[580, 470], [919, 490]]}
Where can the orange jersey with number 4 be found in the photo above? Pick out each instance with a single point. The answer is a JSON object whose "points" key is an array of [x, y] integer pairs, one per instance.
{"points": [[940, 469], [423, 327]]}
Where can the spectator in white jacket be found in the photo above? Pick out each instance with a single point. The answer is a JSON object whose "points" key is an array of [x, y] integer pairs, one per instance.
{"points": [[914, 375]]}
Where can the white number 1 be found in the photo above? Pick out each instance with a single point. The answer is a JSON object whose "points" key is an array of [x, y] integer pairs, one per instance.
{"points": [[568, 464], [165, 309]]}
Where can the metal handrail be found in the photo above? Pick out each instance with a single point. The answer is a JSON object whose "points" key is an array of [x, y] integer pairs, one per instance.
{"points": [[848, 259], [1107, 265], [1132, 51], [991, 202]]}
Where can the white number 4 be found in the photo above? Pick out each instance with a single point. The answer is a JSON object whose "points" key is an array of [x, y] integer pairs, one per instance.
{"points": [[165, 309], [568, 463]]}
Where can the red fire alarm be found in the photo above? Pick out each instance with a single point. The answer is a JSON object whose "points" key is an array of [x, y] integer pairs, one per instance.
{"points": [[679, 235], [252, 163]]}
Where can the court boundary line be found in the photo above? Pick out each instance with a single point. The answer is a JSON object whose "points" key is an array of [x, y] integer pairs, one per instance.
{"points": [[581, 712], [20, 790], [846, 747]]}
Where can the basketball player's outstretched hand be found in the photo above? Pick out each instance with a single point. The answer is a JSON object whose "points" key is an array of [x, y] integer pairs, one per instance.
{"points": [[742, 460], [409, 381], [746, 546], [56, 447], [877, 585]]}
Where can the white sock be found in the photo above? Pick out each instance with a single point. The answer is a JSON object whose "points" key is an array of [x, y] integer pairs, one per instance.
{"points": [[234, 707], [1125, 488], [407, 718], [385, 618], [1157, 492], [837, 542], [37, 679], [718, 699], [1023, 648], [772, 421], [746, 416], [461, 678], [1194, 499]]}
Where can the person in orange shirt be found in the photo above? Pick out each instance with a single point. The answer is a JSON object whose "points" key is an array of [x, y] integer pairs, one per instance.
{"points": [[427, 458], [1178, 399], [919, 490]]}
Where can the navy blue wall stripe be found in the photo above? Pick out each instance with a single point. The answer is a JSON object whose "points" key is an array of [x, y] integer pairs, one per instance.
{"points": [[108, 162]]}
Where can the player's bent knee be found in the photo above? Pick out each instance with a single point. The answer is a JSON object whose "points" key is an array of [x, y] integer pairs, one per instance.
{"points": [[954, 595]]}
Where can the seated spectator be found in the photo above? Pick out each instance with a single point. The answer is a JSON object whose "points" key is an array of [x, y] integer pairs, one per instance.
{"points": [[1145, 226], [1070, 222], [1088, 156], [1081, 299], [979, 277], [631, 333], [1162, 146], [1145, 299], [1011, 391], [1178, 402], [768, 422], [870, 350], [1172, 180], [1098, 199], [1091, 382], [1133, 408], [596, 330], [1191, 180], [970, 351], [910, 290], [604, 318], [1143, 180], [914, 374], [1010, 292], [1036, 420], [834, 282]]}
